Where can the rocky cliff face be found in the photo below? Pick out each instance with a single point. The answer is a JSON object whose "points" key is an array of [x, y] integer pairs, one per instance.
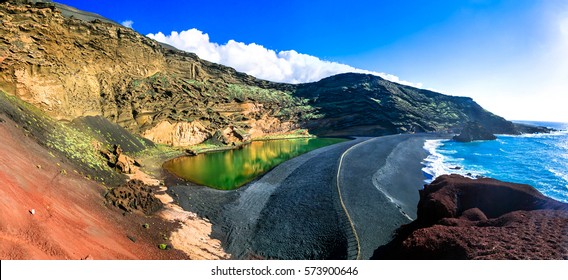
{"points": [[72, 64], [72, 68], [462, 218]]}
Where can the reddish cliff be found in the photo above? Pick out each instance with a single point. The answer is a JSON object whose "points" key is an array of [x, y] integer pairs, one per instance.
{"points": [[462, 218]]}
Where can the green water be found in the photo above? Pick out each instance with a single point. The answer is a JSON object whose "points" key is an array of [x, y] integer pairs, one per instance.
{"points": [[231, 169]]}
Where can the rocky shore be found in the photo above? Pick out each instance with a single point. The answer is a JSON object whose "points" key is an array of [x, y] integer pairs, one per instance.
{"points": [[462, 218]]}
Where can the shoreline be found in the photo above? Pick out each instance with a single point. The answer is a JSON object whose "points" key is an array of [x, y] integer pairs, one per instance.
{"points": [[195, 150], [541, 156], [193, 234], [239, 216], [380, 182], [249, 220]]}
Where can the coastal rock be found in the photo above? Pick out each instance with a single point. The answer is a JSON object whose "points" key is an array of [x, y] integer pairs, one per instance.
{"points": [[473, 131], [531, 129], [463, 218]]}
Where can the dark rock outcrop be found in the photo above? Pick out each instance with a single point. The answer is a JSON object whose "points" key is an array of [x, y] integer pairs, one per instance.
{"points": [[462, 218], [473, 131], [531, 129], [134, 196]]}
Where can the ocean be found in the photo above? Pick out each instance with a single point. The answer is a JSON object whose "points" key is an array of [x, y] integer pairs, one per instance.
{"points": [[539, 160]]}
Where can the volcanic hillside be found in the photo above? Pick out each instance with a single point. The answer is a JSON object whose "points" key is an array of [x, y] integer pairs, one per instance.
{"points": [[74, 64]]}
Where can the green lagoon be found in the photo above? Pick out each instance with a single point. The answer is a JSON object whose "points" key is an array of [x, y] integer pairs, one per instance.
{"points": [[230, 169]]}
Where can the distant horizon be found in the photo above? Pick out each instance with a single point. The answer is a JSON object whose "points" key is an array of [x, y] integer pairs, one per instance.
{"points": [[510, 56], [537, 121], [562, 126]]}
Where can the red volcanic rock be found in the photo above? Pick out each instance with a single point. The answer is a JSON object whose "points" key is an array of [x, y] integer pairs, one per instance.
{"points": [[462, 218]]}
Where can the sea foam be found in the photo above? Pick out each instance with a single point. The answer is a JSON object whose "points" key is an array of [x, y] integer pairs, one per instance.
{"points": [[539, 160], [439, 163]]}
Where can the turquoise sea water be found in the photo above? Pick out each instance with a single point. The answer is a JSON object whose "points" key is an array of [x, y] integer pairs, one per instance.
{"points": [[539, 160]]}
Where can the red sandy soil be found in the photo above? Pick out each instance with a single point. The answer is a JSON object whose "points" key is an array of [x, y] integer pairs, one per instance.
{"points": [[71, 220]]}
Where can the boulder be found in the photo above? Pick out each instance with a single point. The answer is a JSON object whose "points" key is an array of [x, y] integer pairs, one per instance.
{"points": [[231, 135], [124, 164], [117, 159], [190, 152]]}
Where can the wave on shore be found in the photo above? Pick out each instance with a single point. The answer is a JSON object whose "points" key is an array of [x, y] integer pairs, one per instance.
{"points": [[440, 162], [539, 160]]}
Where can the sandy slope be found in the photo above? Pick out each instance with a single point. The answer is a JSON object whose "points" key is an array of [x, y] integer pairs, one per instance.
{"points": [[70, 220]]}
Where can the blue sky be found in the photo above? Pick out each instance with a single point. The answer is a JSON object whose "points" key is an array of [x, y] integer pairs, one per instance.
{"points": [[510, 56]]}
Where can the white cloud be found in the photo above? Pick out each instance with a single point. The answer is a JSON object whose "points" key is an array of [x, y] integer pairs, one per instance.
{"points": [[256, 60], [128, 23]]}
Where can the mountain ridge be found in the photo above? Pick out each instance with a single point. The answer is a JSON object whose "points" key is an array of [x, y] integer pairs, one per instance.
{"points": [[71, 67], [395, 108]]}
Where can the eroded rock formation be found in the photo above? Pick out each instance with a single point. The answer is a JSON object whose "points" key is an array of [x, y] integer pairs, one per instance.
{"points": [[117, 159], [462, 218], [70, 68], [73, 64], [134, 196]]}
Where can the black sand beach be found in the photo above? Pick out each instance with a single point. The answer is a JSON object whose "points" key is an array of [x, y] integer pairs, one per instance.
{"points": [[379, 183], [299, 210]]}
